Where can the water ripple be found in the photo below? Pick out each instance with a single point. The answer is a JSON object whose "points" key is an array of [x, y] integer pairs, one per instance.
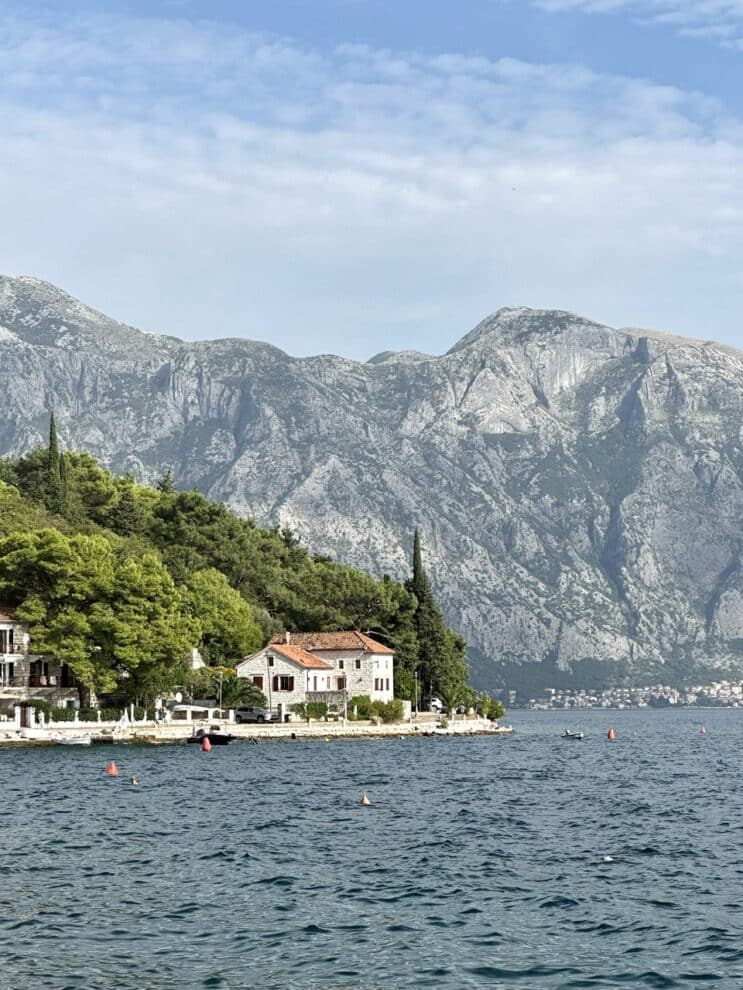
{"points": [[516, 864]]}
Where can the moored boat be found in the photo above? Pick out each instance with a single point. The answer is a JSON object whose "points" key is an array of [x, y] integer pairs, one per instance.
{"points": [[567, 734], [216, 736], [76, 740]]}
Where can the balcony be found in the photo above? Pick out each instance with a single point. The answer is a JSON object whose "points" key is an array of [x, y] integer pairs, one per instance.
{"points": [[34, 681], [329, 697]]}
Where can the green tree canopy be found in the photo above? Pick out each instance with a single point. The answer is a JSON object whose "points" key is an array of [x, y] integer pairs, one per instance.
{"points": [[228, 630]]}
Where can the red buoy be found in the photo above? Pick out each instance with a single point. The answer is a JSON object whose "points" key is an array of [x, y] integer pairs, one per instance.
{"points": [[112, 770], [611, 734], [206, 746]]}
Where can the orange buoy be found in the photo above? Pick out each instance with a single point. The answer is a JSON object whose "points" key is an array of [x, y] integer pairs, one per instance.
{"points": [[206, 746], [611, 734], [112, 770], [365, 801]]}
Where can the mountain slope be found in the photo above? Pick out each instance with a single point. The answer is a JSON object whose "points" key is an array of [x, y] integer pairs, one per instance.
{"points": [[579, 488]]}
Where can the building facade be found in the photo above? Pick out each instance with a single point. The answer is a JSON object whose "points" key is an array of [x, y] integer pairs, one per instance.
{"points": [[333, 667], [25, 676]]}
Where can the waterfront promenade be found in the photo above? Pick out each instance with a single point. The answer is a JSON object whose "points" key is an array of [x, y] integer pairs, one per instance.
{"points": [[159, 733]]}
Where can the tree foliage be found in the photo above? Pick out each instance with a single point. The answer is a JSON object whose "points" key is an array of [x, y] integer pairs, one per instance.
{"points": [[120, 581]]}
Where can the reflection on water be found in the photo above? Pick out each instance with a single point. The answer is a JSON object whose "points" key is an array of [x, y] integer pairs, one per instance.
{"points": [[482, 863]]}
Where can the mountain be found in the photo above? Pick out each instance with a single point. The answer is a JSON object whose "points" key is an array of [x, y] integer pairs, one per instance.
{"points": [[579, 488]]}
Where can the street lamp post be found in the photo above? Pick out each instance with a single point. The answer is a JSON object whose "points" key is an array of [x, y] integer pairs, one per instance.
{"points": [[415, 674]]}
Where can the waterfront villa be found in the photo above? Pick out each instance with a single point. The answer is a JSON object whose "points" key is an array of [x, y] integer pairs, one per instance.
{"points": [[23, 675], [332, 667]]}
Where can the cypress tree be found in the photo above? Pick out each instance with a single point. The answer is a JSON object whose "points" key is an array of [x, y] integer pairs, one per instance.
{"points": [[440, 652], [53, 443], [54, 495], [64, 484]]}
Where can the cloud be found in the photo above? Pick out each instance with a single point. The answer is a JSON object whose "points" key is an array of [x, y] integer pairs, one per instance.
{"points": [[719, 20], [213, 182]]}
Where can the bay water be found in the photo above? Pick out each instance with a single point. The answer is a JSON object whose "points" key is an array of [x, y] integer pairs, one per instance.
{"points": [[521, 862]]}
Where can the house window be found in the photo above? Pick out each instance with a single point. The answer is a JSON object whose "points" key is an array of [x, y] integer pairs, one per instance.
{"points": [[377, 683], [258, 681], [341, 683], [388, 683], [270, 661], [281, 682], [358, 663], [340, 664]]}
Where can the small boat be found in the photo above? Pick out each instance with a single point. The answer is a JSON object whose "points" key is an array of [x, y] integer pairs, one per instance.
{"points": [[78, 740], [215, 735], [567, 734]]}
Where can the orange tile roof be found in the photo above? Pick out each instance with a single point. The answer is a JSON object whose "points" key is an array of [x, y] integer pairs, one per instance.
{"points": [[7, 614], [333, 641], [300, 656]]}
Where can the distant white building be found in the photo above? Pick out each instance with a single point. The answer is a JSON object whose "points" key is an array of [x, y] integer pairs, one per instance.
{"points": [[333, 667]]}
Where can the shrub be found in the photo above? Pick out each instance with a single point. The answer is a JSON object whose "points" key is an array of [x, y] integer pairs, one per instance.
{"points": [[110, 714], [362, 704], [490, 707], [39, 705], [388, 711], [63, 714], [393, 711], [376, 709], [312, 709]]}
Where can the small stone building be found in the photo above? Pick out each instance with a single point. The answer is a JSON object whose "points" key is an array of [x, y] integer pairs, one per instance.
{"points": [[23, 675]]}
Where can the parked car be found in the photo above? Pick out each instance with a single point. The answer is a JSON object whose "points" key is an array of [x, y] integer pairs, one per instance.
{"points": [[437, 705], [254, 714]]}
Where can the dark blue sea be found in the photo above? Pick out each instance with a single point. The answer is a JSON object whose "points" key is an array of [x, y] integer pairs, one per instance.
{"points": [[482, 862]]}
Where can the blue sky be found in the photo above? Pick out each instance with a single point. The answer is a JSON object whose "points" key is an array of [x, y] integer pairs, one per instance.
{"points": [[361, 175]]}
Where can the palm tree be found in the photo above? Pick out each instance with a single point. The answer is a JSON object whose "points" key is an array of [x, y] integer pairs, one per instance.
{"points": [[451, 696], [239, 692]]}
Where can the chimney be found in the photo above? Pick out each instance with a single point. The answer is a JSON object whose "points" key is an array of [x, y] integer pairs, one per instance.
{"points": [[287, 637]]}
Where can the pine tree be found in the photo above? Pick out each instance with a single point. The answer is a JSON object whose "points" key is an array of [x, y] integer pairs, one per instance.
{"points": [[165, 484], [126, 516]]}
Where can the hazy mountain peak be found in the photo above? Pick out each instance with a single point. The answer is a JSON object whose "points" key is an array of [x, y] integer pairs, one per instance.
{"points": [[399, 357], [43, 314]]}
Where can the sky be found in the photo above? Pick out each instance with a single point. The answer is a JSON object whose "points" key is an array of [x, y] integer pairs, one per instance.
{"points": [[353, 176]]}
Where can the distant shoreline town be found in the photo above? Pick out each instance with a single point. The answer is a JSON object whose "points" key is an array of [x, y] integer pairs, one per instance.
{"points": [[718, 694]]}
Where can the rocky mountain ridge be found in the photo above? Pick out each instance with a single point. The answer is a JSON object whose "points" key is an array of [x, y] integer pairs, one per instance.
{"points": [[579, 488]]}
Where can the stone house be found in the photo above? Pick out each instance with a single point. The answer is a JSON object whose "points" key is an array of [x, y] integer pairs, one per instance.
{"points": [[288, 675], [332, 667], [24, 675]]}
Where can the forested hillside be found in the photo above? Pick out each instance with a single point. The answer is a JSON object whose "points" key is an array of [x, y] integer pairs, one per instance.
{"points": [[120, 581]]}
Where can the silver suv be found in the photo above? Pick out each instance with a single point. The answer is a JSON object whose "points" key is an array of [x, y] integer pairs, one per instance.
{"points": [[253, 714]]}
